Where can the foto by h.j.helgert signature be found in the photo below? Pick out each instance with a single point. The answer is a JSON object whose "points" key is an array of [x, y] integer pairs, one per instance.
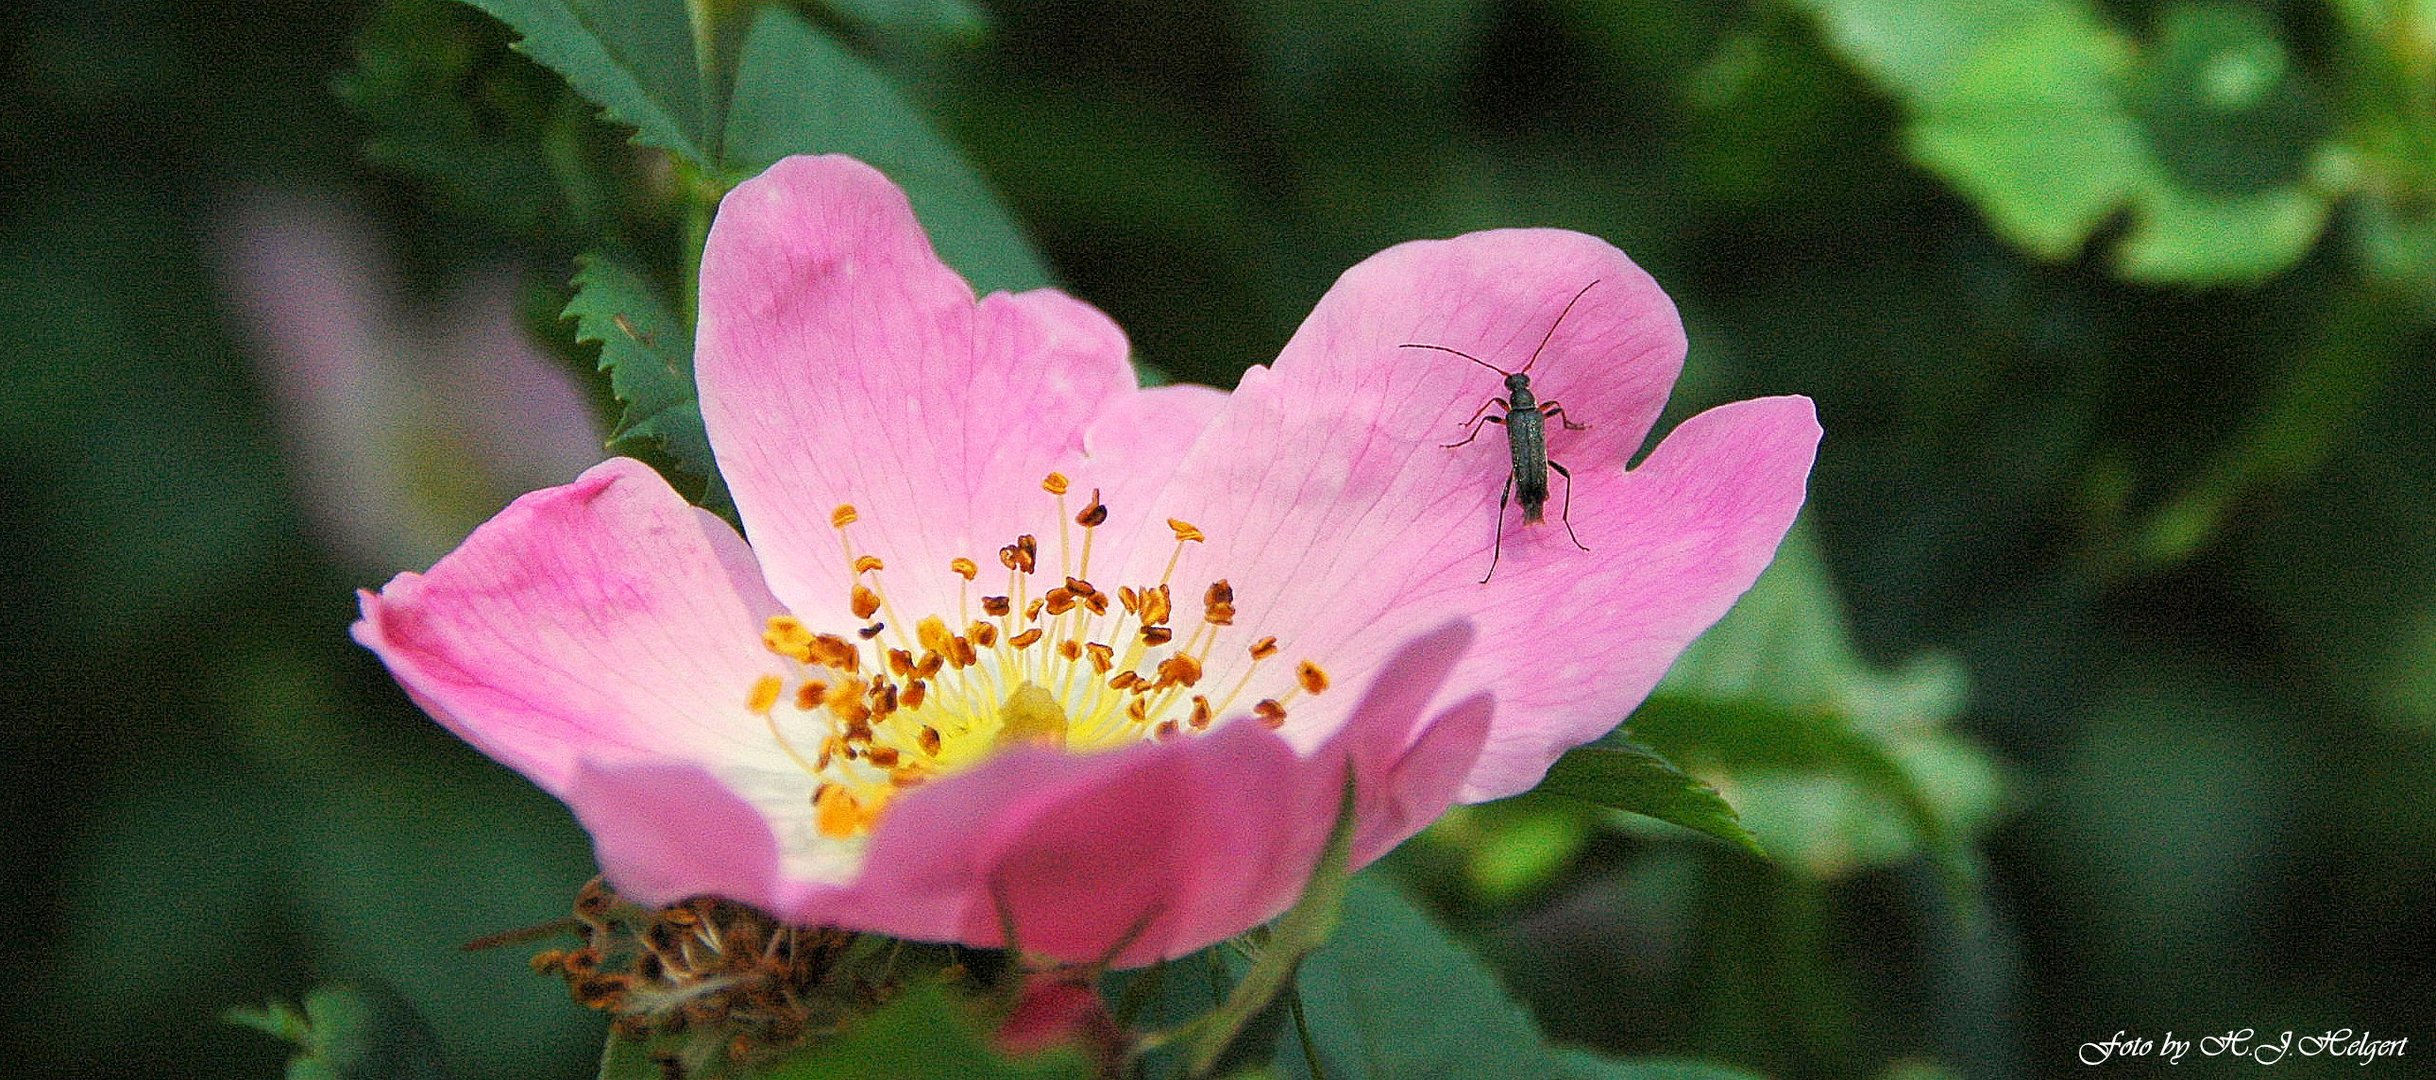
{"points": [[2264, 1048]]}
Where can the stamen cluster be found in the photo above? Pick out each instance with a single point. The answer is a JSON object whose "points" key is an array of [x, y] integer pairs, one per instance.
{"points": [[1073, 666]]}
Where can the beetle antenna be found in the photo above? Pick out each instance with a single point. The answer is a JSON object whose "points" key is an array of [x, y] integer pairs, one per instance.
{"points": [[1461, 353], [1560, 321]]}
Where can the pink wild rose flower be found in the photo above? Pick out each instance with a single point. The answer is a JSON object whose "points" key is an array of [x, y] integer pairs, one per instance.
{"points": [[1019, 642]]}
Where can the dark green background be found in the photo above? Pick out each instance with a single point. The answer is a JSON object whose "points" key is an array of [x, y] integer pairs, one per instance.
{"points": [[2220, 810]]}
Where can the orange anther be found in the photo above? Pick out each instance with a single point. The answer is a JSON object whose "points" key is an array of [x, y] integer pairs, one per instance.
{"points": [[1024, 640], [933, 634], [765, 693], [1094, 514], [864, 601], [842, 516], [1178, 670], [1155, 636], [839, 815], [832, 651], [1054, 483], [1264, 648], [1218, 604], [1185, 532], [868, 563], [1310, 675], [964, 567], [788, 637], [845, 699], [1022, 555], [1270, 713]]}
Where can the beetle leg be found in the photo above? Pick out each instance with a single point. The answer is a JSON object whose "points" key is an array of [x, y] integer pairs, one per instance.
{"points": [[1480, 416], [1497, 547], [1551, 408], [1565, 514]]}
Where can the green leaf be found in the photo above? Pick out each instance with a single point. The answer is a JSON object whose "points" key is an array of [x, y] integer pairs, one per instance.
{"points": [[800, 92], [1642, 782], [2232, 128], [1392, 997], [2397, 243], [1584, 1065], [2184, 236], [351, 1033], [2222, 106], [2031, 128], [1303, 927], [1919, 48], [2052, 122], [636, 59], [922, 1036], [1510, 849], [649, 356], [1834, 765]]}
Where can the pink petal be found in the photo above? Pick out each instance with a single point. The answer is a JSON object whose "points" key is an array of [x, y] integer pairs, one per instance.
{"points": [[665, 831], [1408, 762], [841, 362], [1131, 450], [1345, 524], [1141, 848], [604, 619], [1156, 850], [1331, 505], [1672, 544], [1400, 796]]}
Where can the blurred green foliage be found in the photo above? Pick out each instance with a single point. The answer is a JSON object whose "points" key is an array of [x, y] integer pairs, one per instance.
{"points": [[2096, 694], [921, 1036], [350, 1033]]}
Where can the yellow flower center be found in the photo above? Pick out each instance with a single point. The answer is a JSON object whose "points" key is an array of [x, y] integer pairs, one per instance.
{"points": [[1069, 666]]}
